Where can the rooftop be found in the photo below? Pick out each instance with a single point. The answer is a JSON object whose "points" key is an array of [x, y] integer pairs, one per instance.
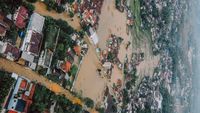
{"points": [[14, 51], [4, 24], [66, 66], [36, 22], [21, 16], [32, 43], [35, 43]]}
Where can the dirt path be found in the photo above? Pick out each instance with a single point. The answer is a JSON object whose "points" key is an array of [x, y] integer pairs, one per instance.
{"points": [[41, 9], [12, 67]]}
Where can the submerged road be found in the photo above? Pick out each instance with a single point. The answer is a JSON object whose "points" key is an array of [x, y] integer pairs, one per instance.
{"points": [[13, 67], [41, 8]]}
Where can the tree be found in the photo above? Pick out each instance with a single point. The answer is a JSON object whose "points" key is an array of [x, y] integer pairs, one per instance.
{"points": [[32, 1], [73, 70], [89, 102], [166, 12], [42, 71], [12, 34], [29, 6], [60, 9], [167, 102], [70, 1], [63, 2], [9, 6], [71, 14], [65, 26], [50, 4], [100, 110], [5, 84]]}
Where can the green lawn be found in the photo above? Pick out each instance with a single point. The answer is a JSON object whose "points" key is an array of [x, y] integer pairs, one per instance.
{"points": [[138, 33], [50, 36]]}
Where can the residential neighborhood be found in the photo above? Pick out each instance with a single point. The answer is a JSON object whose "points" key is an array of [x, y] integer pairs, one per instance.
{"points": [[97, 56]]}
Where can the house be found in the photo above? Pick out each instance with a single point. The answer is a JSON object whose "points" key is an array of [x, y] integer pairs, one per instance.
{"points": [[77, 50], [9, 51], [21, 96], [45, 58], [58, 2], [5, 24], [32, 43], [65, 66], [3, 28], [93, 37], [20, 17], [36, 22], [31, 48], [89, 16]]}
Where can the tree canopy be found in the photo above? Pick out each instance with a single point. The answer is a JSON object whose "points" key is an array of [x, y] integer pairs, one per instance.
{"points": [[6, 81], [89, 102]]}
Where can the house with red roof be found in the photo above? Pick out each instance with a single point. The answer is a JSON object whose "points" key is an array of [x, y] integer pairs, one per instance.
{"points": [[20, 17], [21, 96]]}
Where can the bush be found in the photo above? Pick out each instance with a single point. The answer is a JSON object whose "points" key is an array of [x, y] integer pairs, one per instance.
{"points": [[65, 26], [73, 70], [12, 34], [89, 102], [71, 14], [42, 71], [60, 9], [32, 1], [100, 110], [29, 6]]}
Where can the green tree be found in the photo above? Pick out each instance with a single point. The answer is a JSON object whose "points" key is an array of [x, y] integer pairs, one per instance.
{"points": [[60, 9], [65, 26], [70, 1], [71, 14], [73, 70], [89, 102], [32, 1], [167, 102], [6, 81], [12, 34], [100, 110], [29, 6]]}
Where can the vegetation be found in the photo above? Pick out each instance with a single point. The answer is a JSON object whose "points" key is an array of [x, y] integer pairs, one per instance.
{"points": [[29, 6], [146, 110], [12, 34], [89, 102], [100, 110], [42, 71], [73, 70], [9, 6], [65, 26], [167, 102], [117, 3], [5, 84], [54, 78], [32, 1], [52, 5], [50, 37], [126, 99], [44, 98], [64, 39], [71, 14]]}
